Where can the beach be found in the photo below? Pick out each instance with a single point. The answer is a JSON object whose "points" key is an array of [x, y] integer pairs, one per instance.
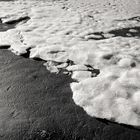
{"points": [[36, 104], [69, 70]]}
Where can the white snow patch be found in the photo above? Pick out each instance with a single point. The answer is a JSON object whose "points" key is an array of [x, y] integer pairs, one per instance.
{"points": [[77, 68], [14, 39], [81, 75], [111, 95]]}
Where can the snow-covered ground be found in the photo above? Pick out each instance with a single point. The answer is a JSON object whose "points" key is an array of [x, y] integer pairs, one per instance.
{"points": [[98, 42]]}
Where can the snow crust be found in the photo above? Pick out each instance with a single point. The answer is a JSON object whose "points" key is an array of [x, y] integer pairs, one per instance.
{"points": [[80, 41]]}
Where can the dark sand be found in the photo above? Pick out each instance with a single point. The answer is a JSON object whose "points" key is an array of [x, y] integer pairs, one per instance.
{"points": [[38, 105]]}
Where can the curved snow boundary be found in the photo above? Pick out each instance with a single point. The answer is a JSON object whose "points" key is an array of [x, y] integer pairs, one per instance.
{"points": [[104, 62]]}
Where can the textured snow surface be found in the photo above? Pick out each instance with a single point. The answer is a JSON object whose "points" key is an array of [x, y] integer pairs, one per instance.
{"points": [[97, 42]]}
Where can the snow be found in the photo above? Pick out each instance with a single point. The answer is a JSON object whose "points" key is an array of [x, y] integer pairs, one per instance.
{"points": [[81, 75], [81, 39], [113, 96]]}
